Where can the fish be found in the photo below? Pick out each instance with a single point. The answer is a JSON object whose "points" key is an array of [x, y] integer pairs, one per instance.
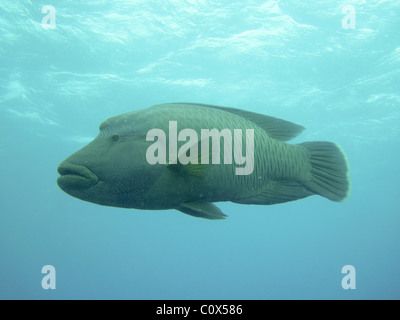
{"points": [[164, 157]]}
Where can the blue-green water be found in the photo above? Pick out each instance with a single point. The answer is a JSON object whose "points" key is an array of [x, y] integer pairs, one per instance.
{"points": [[290, 59]]}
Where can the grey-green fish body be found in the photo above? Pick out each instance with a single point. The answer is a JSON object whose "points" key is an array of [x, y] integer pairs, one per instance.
{"points": [[124, 177]]}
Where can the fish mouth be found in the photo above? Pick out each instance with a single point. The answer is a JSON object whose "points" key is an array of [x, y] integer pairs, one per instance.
{"points": [[75, 177]]}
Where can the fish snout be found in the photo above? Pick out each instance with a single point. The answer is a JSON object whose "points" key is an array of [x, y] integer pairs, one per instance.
{"points": [[75, 177]]}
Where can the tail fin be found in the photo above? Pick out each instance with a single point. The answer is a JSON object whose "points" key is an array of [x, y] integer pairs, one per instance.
{"points": [[329, 170]]}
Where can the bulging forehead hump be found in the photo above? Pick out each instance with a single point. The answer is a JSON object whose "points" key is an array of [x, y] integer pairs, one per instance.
{"points": [[114, 122], [123, 123]]}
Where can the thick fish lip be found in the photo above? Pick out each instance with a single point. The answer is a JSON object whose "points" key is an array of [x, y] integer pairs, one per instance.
{"points": [[75, 177]]}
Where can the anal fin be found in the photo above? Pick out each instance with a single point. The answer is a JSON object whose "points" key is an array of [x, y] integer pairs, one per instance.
{"points": [[278, 192]]}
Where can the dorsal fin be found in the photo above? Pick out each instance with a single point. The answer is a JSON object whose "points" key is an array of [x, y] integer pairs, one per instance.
{"points": [[276, 128]]}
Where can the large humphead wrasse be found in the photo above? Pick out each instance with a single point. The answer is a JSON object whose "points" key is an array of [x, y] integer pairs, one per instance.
{"points": [[114, 169]]}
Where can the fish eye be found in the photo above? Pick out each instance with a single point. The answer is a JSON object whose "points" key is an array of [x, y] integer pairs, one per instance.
{"points": [[115, 137]]}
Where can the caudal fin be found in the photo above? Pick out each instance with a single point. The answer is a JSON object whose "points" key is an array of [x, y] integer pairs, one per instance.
{"points": [[329, 170]]}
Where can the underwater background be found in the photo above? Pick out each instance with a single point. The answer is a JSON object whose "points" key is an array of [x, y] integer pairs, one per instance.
{"points": [[331, 66]]}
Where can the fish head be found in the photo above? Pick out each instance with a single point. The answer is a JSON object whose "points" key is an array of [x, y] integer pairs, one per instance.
{"points": [[112, 169]]}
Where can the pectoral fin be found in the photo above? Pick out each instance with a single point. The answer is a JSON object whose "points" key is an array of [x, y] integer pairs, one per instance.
{"points": [[204, 210], [197, 170]]}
